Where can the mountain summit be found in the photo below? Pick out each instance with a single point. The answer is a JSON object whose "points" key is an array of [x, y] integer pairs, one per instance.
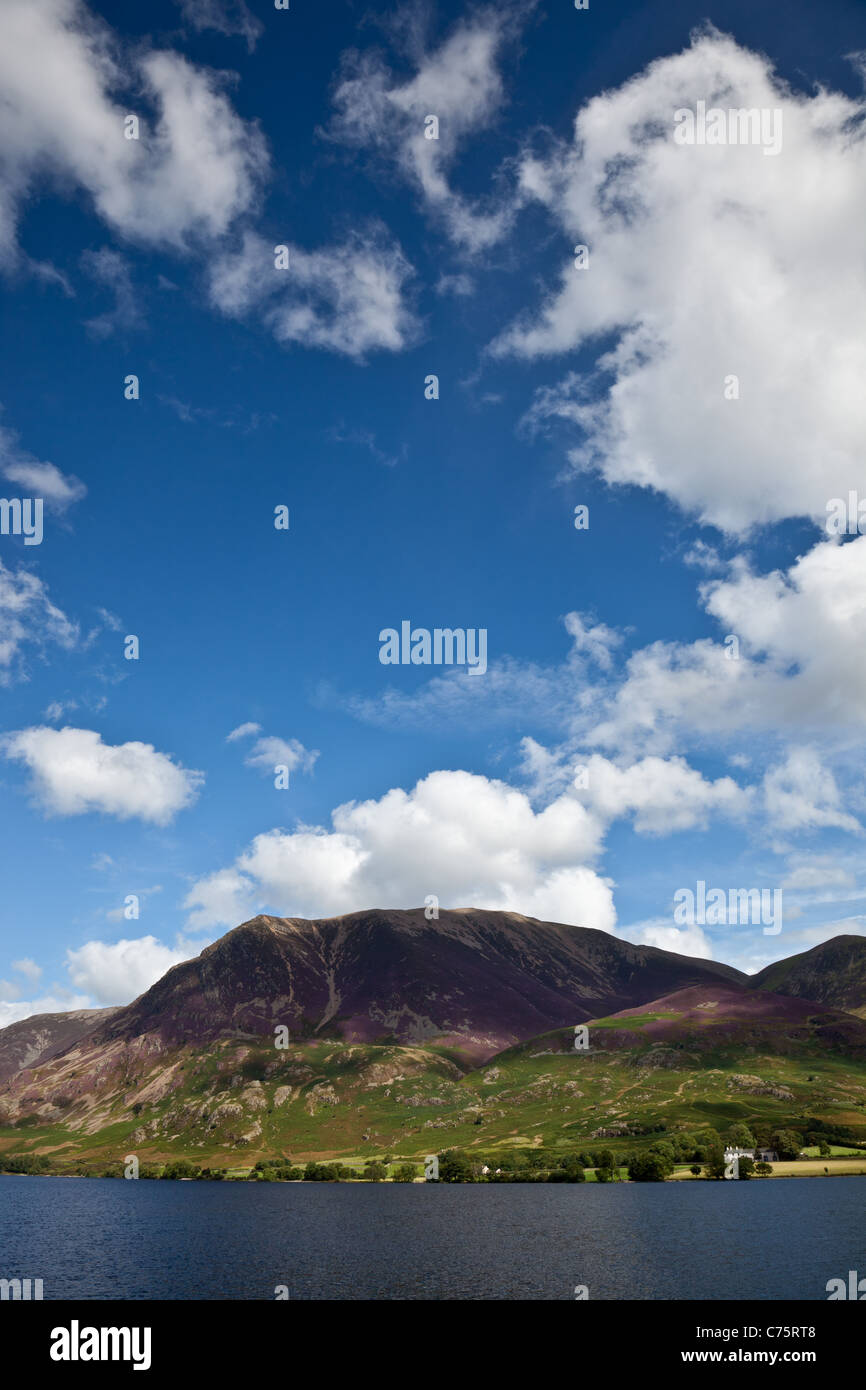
{"points": [[474, 980]]}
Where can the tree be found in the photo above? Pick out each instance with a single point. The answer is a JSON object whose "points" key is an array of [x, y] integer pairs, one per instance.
{"points": [[181, 1168], [404, 1172], [786, 1142], [569, 1170], [684, 1146], [696, 1169], [664, 1153], [454, 1166], [741, 1137], [573, 1168], [375, 1172], [715, 1160], [647, 1167], [745, 1167], [763, 1169]]}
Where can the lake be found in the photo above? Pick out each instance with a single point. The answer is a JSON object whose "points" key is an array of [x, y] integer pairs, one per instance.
{"points": [[101, 1238]]}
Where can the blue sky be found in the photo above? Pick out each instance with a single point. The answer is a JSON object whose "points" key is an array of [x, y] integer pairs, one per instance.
{"points": [[305, 388]]}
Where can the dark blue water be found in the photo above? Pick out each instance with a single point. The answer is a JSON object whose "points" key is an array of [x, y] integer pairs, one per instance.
{"points": [[104, 1238]]}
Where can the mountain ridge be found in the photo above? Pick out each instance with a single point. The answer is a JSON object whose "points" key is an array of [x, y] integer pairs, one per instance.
{"points": [[476, 978], [396, 1025]]}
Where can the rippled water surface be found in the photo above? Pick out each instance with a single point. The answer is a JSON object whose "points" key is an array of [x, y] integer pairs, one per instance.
{"points": [[104, 1238]]}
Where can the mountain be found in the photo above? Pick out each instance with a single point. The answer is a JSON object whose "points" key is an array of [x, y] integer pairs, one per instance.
{"points": [[473, 980], [36, 1039], [408, 1035], [832, 973], [727, 1022]]}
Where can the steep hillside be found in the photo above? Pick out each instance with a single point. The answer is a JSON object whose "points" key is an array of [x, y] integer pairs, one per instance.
{"points": [[474, 980], [832, 973], [36, 1039]]}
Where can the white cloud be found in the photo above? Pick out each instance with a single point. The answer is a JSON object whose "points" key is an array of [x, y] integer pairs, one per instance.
{"points": [[818, 873], [28, 967], [243, 731], [509, 688], [224, 898], [459, 84], [28, 618], [598, 641], [663, 795], [707, 261], [270, 752], [801, 667], [74, 772], [345, 298], [464, 838], [684, 941], [195, 167], [56, 710], [229, 17], [117, 972], [110, 269], [59, 1003], [57, 490], [802, 794]]}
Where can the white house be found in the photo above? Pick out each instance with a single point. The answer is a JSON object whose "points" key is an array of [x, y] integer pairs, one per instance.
{"points": [[760, 1155]]}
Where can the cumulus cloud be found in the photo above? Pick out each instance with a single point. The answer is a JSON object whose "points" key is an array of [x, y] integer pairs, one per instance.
{"points": [[28, 618], [663, 795], [660, 795], [467, 839], [684, 941], [800, 668], [73, 772], [801, 794], [706, 262], [460, 86], [270, 752], [117, 972], [195, 168], [347, 298], [59, 1002]]}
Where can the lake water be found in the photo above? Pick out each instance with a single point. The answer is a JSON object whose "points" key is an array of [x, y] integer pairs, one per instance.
{"points": [[103, 1238]]}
